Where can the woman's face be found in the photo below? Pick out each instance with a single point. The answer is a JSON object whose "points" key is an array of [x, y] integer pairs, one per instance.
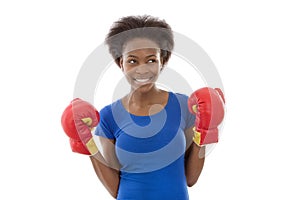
{"points": [[141, 63]]}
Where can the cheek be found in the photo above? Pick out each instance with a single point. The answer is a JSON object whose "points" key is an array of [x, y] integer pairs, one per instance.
{"points": [[128, 71], [156, 69]]}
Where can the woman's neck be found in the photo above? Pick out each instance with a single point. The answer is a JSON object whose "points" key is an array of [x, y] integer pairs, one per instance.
{"points": [[142, 99], [145, 103]]}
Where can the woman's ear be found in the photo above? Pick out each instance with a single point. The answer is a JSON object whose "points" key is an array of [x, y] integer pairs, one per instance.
{"points": [[162, 64], [121, 64]]}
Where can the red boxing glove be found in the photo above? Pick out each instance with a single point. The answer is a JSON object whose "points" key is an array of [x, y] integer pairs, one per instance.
{"points": [[208, 106], [77, 120]]}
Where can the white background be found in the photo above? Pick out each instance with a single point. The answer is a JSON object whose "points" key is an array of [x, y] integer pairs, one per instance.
{"points": [[255, 46]]}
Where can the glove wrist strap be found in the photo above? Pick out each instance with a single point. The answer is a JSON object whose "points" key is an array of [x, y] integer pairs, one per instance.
{"points": [[91, 146], [197, 137]]}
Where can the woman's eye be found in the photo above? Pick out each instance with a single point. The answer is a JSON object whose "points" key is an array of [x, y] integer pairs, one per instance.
{"points": [[131, 61], [151, 61]]}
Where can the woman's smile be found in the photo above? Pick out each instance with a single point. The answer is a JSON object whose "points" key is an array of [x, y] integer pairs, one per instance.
{"points": [[143, 80]]}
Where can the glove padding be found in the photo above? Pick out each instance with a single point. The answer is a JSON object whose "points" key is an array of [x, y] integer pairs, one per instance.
{"points": [[78, 120], [208, 106]]}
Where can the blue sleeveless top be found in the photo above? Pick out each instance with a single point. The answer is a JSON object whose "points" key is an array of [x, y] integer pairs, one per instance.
{"points": [[150, 149]]}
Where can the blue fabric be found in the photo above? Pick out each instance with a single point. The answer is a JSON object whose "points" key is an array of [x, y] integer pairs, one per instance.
{"points": [[150, 149]]}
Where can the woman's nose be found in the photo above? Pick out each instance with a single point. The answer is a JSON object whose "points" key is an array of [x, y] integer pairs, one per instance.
{"points": [[141, 69]]}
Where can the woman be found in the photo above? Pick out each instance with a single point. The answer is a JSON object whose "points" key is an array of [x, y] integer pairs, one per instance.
{"points": [[150, 141], [139, 54]]}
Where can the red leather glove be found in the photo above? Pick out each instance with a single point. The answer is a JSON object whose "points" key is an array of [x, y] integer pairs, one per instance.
{"points": [[77, 120], [208, 106]]}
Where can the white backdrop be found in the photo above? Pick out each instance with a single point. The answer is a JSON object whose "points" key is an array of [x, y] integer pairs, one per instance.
{"points": [[254, 45]]}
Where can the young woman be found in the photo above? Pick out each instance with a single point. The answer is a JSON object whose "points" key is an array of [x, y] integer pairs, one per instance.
{"points": [[150, 139]]}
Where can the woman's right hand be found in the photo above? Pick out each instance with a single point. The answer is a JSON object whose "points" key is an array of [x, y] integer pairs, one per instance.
{"points": [[78, 119]]}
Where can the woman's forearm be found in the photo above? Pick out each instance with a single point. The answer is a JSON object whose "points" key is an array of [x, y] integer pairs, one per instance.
{"points": [[194, 163], [109, 177]]}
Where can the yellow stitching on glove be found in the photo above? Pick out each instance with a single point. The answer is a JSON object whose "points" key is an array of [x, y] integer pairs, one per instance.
{"points": [[195, 108], [92, 147], [88, 121], [197, 137]]}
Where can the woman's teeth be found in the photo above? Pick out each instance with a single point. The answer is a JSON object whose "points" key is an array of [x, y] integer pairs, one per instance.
{"points": [[142, 80]]}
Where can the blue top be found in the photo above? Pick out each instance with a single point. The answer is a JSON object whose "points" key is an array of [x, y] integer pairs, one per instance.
{"points": [[150, 149]]}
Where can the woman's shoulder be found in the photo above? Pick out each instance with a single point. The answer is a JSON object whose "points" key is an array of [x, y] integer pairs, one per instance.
{"points": [[180, 96], [107, 109]]}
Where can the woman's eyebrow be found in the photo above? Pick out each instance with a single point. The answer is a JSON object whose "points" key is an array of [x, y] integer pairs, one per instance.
{"points": [[151, 56], [133, 56]]}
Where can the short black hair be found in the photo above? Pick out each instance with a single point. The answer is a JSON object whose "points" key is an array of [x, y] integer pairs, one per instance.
{"points": [[145, 26]]}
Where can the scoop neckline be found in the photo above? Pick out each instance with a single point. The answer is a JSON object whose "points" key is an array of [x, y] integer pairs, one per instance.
{"points": [[162, 110]]}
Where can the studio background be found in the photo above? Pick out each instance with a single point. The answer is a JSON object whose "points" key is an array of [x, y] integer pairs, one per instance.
{"points": [[253, 44]]}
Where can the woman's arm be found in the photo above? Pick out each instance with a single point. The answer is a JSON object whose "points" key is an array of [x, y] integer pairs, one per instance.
{"points": [[107, 166], [194, 159]]}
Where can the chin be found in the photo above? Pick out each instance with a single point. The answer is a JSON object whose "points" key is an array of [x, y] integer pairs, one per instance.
{"points": [[143, 88]]}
